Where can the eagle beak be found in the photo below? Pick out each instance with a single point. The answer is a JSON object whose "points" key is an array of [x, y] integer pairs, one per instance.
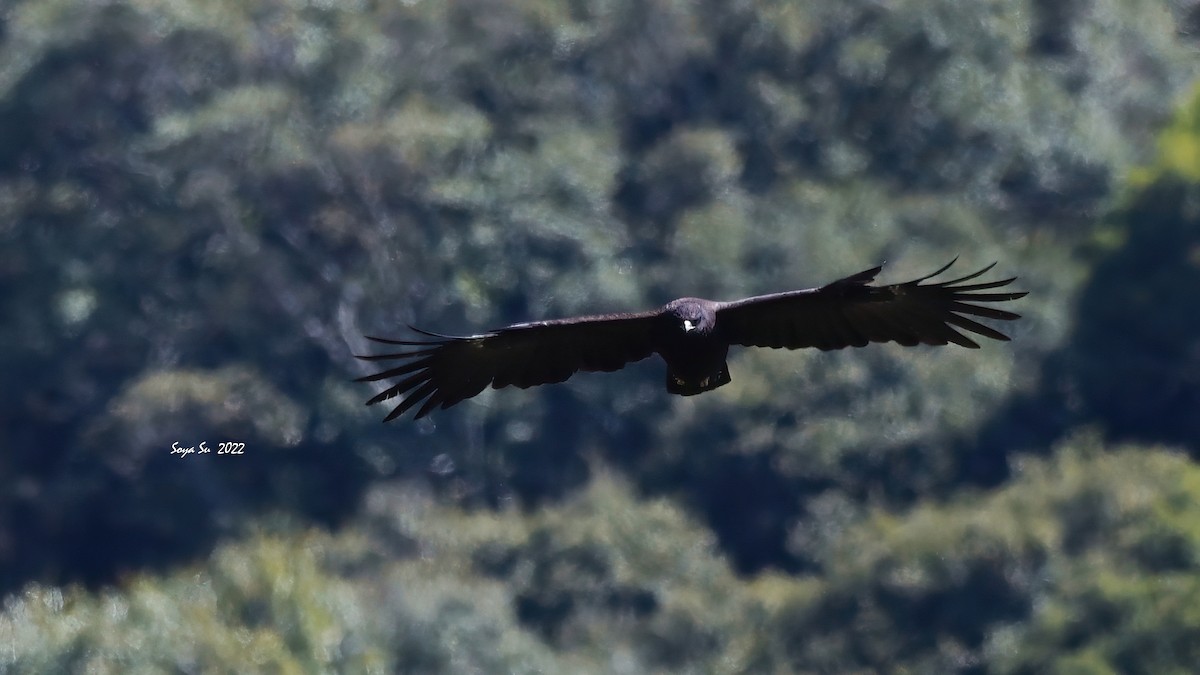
{"points": [[688, 326]]}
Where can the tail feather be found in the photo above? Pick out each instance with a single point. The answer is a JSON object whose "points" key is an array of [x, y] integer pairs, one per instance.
{"points": [[690, 386]]}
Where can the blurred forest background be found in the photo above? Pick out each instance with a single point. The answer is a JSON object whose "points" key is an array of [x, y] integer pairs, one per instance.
{"points": [[204, 205]]}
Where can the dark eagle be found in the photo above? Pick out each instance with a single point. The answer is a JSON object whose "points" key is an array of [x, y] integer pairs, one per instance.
{"points": [[692, 335]]}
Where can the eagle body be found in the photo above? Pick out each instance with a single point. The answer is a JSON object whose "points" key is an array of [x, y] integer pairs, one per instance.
{"points": [[691, 335], [692, 347]]}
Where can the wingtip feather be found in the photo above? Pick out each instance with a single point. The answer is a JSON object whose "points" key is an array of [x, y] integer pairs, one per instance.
{"points": [[941, 269]]}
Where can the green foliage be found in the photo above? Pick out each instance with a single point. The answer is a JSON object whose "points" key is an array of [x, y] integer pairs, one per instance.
{"points": [[587, 577], [1086, 558], [1130, 362], [268, 603], [1178, 148], [275, 604], [418, 591], [204, 205]]}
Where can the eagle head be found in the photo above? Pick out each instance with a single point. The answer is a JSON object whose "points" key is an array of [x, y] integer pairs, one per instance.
{"points": [[693, 316]]}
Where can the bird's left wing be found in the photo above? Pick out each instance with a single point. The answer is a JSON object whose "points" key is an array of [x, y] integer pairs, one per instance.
{"points": [[443, 369], [851, 313]]}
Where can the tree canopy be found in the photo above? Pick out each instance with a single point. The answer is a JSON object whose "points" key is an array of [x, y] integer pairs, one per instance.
{"points": [[205, 205]]}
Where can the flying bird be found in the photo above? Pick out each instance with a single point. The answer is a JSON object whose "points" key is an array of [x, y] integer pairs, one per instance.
{"points": [[691, 335]]}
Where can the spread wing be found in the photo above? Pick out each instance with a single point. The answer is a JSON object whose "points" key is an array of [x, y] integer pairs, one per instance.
{"points": [[851, 313], [443, 369]]}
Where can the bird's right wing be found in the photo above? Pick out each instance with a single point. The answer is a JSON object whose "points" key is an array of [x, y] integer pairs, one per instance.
{"points": [[443, 369], [851, 313]]}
